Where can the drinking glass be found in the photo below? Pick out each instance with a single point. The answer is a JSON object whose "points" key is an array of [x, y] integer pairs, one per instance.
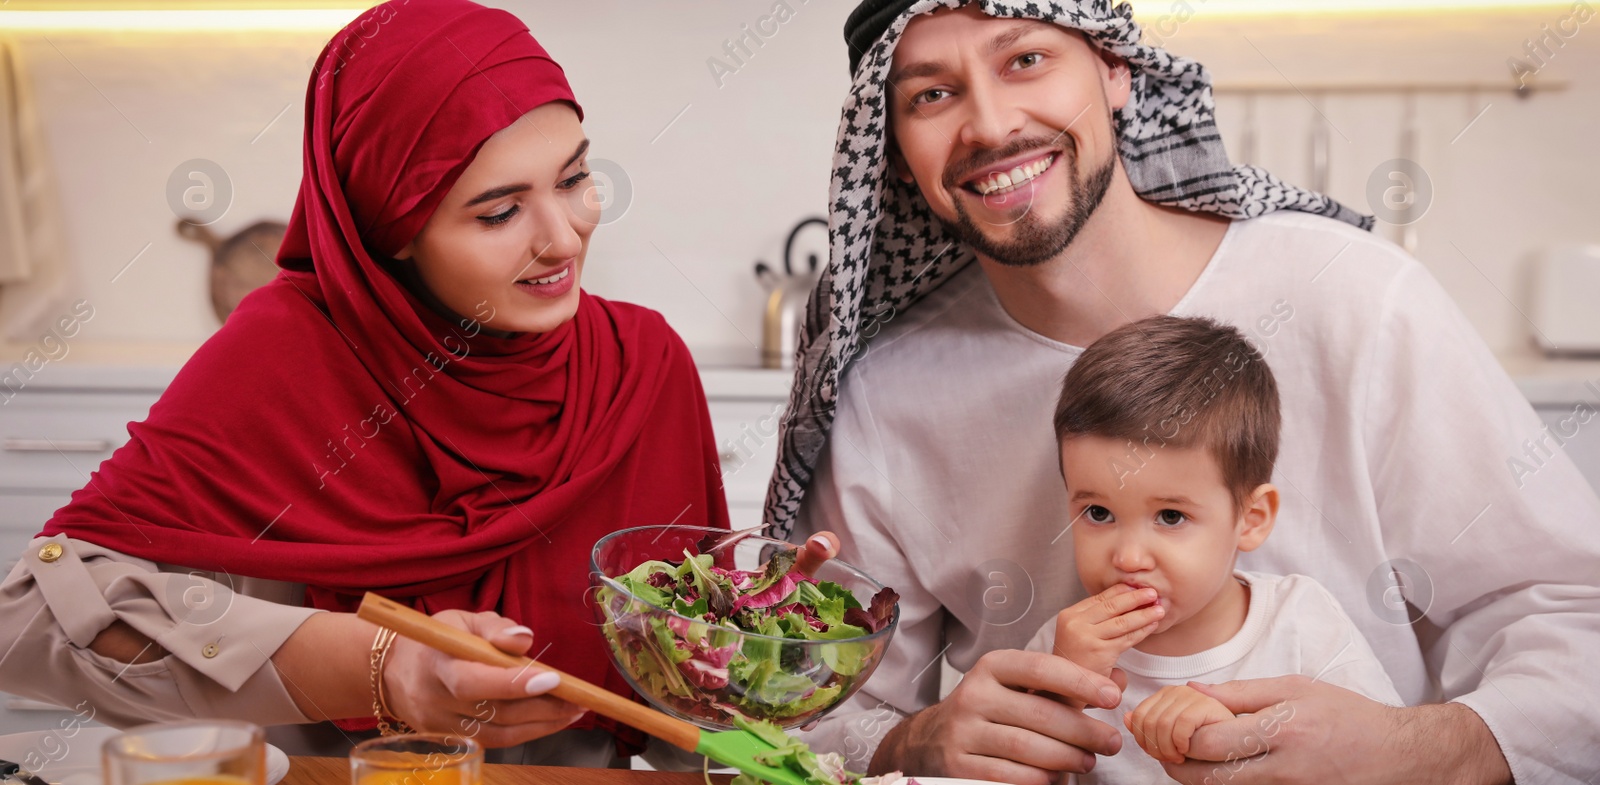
{"points": [[417, 759], [196, 752]]}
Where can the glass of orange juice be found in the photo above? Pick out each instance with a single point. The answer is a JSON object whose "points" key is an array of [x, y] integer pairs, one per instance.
{"points": [[199, 752], [417, 759]]}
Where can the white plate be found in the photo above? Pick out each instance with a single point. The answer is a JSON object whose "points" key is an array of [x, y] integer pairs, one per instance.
{"points": [[951, 781], [72, 756]]}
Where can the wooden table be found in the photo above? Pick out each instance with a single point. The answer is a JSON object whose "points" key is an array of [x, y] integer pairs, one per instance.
{"points": [[336, 771]]}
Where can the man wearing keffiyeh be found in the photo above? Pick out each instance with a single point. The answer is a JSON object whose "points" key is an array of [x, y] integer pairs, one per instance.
{"points": [[1015, 179]]}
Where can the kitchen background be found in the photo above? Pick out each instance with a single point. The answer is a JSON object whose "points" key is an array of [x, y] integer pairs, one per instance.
{"points": [[748, 153], [709, 159]]}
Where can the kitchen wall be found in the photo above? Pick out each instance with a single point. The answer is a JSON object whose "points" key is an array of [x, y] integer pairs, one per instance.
{"points": [[1511, 176], [719, 167]]}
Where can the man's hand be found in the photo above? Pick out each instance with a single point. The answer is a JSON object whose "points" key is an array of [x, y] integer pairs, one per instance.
{"points": [[1165, 721], [815, 552], [1096, 631], [991, 728], [1293, 729]]}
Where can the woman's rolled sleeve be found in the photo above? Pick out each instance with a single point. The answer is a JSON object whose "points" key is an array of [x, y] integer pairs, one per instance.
{"points": [[218, 641]]}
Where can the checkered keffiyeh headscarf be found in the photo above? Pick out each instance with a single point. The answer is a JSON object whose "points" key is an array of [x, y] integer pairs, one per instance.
{"points": [[888, 250]]}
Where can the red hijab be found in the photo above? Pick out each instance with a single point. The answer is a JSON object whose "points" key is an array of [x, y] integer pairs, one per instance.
{"points": [[336, 432]]}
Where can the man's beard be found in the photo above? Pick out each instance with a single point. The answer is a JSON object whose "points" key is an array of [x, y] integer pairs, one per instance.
{"points": [[1035, 241]]}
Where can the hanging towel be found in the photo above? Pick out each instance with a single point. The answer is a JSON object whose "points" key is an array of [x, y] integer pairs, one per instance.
{"points": [[34, 272]]}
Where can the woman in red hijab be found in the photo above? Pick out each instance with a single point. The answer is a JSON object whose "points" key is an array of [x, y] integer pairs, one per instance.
{"points": [[424, 404]]}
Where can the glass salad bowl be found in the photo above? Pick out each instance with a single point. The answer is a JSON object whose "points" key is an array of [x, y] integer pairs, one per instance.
{"points": [[800, 647]]}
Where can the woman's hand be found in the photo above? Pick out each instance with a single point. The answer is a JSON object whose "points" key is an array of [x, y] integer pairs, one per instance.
{"points": [[500, 707]]}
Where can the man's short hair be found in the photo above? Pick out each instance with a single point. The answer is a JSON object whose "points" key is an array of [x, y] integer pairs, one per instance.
{"points": [[1181, 382]]}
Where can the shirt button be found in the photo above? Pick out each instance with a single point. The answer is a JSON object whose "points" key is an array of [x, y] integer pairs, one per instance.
{"points": [[210, 650], [50, 552]]}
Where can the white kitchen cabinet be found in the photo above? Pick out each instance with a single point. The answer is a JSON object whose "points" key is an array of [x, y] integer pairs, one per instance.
{"points": [[746, 431], [52, 439]]}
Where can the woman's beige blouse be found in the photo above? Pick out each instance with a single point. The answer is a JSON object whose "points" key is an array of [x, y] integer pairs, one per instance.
{"points": [[220, 633]]}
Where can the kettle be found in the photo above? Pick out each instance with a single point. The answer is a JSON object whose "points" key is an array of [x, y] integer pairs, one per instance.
{"points": [[787, 294]]}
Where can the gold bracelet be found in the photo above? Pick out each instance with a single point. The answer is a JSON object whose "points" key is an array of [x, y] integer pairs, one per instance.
{"points": [[380, 707]]}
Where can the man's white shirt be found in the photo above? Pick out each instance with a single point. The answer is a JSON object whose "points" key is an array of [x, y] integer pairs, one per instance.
{"points": [[1404, 473]]}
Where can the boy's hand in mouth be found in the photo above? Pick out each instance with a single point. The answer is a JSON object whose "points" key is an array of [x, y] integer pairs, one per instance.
{"points": [[1096, 631]]}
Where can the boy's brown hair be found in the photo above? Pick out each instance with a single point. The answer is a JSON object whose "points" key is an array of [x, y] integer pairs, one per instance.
{"points": [[1181, 382]]}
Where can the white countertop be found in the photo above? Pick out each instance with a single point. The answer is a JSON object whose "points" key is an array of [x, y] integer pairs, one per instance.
{"points": [[1551, 381], [100, 366], [725, 372]]}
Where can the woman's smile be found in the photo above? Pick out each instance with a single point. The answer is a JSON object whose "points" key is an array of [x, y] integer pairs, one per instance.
{"points": [[551, 285]]}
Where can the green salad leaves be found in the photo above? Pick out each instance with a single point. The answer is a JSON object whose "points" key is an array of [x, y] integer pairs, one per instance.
{"points": [[793, 754], [700, 659]]}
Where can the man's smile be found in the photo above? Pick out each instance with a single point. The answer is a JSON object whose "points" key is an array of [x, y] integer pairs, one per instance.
{"points": [[1006, 176]]}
